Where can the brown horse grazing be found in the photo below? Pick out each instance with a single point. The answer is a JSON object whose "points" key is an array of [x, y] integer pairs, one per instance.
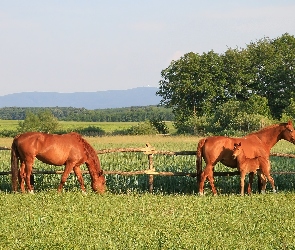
{"points": [[246, 165], [220, 149], [70, 150]]}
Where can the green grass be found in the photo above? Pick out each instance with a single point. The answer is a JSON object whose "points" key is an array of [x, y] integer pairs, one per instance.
{"points": [[8, 124], [48, 220], [128, 217]]}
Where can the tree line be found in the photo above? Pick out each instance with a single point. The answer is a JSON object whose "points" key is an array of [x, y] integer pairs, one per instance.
{"points": [[242, 89], [130, 114]]}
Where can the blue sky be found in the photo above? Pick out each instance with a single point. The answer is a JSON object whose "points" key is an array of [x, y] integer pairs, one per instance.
{"points": [[88, 46]]}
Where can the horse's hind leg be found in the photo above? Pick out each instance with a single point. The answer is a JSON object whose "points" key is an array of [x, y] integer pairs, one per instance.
{"points": [[270, 179], [265, 169], [263, 180], [272, 182], [251, 178], [203, 178], [21, 177], [28, 170], [78, 173], [207, 173], [211, 180]]}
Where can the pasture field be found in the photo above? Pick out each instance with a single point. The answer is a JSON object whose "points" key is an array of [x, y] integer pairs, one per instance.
{"points": [[128, 217], [108, 127], [48, 220], [8, 124]]}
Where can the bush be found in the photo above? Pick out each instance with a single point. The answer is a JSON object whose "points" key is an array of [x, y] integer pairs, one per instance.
{"points": [[87, 131], [8, 133], [196, 125], [160, 126], [142, 128]]}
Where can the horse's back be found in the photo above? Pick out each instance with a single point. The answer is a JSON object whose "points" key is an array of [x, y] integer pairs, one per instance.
{"points": [[50, 148], [28, 141]]}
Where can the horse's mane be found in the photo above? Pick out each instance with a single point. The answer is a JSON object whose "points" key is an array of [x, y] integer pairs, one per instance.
{"points": [[269, 127], [89, 150]]}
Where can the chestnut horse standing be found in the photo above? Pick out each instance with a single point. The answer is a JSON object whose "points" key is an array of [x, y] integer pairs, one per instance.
{"points": [[246, 165], [216, 149], [70, 150]]}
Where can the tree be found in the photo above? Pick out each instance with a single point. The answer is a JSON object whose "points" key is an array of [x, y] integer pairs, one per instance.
{"points": [[196, 85], [273, 64], [44, 121], [193, 85]]}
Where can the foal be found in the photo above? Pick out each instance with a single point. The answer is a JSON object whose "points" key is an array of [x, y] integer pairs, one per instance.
{"points": [[247, 165]]}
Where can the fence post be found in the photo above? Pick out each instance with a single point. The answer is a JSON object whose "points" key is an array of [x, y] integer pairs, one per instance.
{"points": [[151, 177]]}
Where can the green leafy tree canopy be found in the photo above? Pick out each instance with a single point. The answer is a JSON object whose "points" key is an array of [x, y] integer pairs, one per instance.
{"points": [[44, 121]]}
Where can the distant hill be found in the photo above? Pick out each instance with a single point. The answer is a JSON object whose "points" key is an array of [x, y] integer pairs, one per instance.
{"points": [[142, 96]]}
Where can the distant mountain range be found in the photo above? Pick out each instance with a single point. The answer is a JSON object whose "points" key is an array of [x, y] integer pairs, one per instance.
{"points": [[142, 96]]}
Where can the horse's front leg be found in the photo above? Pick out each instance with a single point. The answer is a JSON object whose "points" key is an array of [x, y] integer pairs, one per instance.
{"points": [[78, 173], [243, 175], [65, 175]]}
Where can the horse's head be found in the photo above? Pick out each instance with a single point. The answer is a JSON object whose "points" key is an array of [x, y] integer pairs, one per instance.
{"points": [[99, 183], [289, 133], [237, 150]]}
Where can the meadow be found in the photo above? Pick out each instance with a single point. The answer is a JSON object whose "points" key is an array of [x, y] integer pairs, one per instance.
{"points": [[129, 217], [108, 127]]}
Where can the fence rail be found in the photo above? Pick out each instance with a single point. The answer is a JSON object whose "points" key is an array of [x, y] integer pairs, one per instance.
{"points": [[151, 171]]}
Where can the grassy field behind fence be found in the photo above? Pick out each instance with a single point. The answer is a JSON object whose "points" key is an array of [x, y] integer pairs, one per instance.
{"points": [[128, 217], [108, 127]]}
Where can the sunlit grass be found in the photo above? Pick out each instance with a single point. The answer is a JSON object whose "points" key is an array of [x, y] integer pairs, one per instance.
{"points": [[145, 221], [128, 217]]}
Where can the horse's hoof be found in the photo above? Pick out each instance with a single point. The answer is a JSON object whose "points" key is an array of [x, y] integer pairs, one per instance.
{"points": [[31, 192], [201, 193], [84, 193]]}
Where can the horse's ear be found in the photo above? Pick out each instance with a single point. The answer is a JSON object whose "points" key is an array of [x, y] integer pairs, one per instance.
{"points": [[289, 122], [240, 144]]}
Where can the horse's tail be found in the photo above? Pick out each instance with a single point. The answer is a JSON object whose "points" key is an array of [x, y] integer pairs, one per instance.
{"points": [[199, 157], [14, 166]]}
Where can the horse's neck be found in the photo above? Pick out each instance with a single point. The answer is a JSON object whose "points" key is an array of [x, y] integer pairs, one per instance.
{"points": [[269, 137], [241, 157]]}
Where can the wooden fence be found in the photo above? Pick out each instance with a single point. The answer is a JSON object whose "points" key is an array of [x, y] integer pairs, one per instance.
{"points": [[151, 170]]}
